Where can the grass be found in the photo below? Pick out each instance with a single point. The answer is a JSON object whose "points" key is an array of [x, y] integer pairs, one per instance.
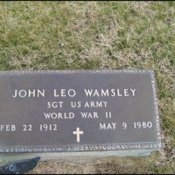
{"points": [[98, 35]]}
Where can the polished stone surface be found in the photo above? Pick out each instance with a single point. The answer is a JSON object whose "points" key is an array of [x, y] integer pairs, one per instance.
{"points": [[116, 110]]}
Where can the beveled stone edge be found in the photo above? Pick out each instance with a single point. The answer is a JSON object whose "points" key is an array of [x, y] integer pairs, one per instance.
{"points": [[81, 148], [156, 110], [73, 71]]}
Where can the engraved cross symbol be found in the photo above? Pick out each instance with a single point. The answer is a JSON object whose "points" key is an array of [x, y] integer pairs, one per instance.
{"points": [[78, 132]]}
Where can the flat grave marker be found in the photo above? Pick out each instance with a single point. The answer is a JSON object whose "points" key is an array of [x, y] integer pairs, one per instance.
{"points": [[78, 111]]}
